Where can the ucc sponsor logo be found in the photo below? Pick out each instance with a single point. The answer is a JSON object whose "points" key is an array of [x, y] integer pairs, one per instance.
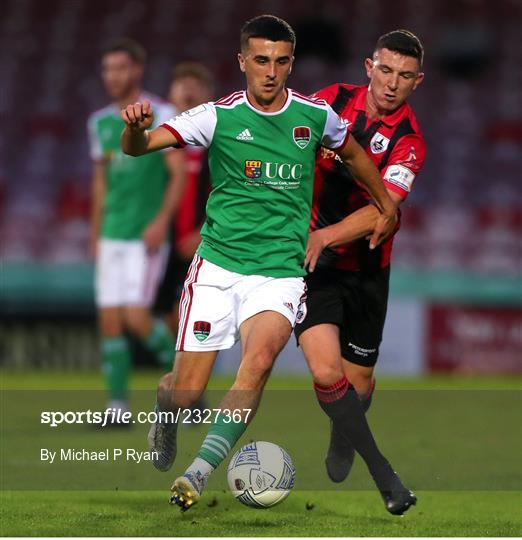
{"points": [[284, 171]]}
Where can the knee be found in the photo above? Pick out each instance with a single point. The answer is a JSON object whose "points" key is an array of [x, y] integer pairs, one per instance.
{"points": [[138, 324], [184, 389], [172, 395], [111, 325], [361, 380], [325, 374]]}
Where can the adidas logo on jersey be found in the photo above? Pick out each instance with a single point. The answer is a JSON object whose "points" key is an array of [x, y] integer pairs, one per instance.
{"points": [[245, 135]]}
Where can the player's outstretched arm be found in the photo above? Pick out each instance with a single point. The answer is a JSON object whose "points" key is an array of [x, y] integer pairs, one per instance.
{"points": [[358, 224], [136, 138], [362, 167]]}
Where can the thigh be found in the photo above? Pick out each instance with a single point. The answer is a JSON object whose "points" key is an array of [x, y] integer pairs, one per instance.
{"points": [[321, 348], [143, 271], [263, 336], [207, 311], [285, 296], [365, 304], [109, 274]]}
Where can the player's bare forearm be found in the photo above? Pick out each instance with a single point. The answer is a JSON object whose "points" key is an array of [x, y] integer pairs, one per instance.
{"points": [[134, 142], [364, 170], [357, 225], [362, 167]]}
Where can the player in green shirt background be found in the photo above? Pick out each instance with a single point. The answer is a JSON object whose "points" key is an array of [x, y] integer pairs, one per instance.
{"points": [[245, 281], [133, 203]]}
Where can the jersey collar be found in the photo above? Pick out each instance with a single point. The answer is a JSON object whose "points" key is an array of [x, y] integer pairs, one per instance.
{"points": [[281, 110], [390, 120]]}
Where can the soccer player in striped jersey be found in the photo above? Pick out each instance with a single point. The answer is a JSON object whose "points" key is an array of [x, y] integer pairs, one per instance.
{"points": [[348, 281], [246, 279]]}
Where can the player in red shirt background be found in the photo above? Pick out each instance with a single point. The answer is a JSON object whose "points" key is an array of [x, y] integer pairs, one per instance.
{"points": [[191, 84], [348, 280]]}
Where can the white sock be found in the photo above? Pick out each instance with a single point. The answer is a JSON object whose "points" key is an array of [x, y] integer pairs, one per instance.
{"points": [[200, 470], [201, 466]]}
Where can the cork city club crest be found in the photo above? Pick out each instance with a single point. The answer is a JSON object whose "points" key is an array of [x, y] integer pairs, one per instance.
{"points": [[253, 168], [302, 135], [201, 330]]}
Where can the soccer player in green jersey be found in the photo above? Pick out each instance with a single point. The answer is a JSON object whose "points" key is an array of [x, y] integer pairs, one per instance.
{"points": [[133, 203], [246, 279]]}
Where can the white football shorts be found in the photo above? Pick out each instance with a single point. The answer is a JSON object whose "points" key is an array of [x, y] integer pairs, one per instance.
{"points": [[126, 274], [216, 301]]}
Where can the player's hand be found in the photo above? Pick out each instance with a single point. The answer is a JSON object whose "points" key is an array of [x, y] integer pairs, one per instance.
{"points": [[383, 229], [155, 234], [314, 248], [138, 115]]}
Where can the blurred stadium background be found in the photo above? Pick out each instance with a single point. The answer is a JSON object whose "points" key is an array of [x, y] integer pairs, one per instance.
{"points": [[456, 302]]}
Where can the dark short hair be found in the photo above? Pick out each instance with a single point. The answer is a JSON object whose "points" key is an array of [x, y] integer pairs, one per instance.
{"points": [[134, 49], [269, 27], [403, 42], [194, 70]]}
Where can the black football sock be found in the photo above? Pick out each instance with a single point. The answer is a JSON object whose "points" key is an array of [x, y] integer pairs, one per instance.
{"points": [[366, 401], [342, 404]]}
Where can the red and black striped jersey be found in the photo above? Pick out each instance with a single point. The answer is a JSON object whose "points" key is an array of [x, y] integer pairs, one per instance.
{"points": [[395, 145]]}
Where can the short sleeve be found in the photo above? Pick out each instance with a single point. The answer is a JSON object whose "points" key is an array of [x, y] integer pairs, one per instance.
{"points": [[335, 134], [404, 164], [194, 127], [95, 149]]}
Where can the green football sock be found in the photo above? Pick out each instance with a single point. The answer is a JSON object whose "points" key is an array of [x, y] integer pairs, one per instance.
{"points": [[161, 342], [116, 366], [220, 439]]}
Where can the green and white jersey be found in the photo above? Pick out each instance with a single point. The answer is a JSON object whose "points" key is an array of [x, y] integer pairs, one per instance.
{"points": [[262, 171], [135, 186]]}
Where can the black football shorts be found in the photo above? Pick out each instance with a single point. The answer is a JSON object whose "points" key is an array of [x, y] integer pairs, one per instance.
{"points": [[354, 301]]}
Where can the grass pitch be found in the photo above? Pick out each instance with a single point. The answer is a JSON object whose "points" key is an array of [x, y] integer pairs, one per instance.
{"points": [[328, 514], [456, 441]]}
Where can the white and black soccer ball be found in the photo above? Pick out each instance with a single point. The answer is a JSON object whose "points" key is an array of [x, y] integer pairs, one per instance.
{"points": [[261, 474]]}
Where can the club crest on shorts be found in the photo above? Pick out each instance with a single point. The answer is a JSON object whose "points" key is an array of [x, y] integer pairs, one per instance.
{"points": [[302, 136], [201, 330], [301, 309], [253, 168], [379, 143]]}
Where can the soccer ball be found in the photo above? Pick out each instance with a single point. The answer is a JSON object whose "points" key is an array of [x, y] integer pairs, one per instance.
{"points": [[261, 474]]}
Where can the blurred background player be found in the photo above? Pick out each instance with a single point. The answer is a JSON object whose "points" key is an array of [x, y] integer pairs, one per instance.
{"points": [[348, 291], [192, 84], [133, 205]]}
